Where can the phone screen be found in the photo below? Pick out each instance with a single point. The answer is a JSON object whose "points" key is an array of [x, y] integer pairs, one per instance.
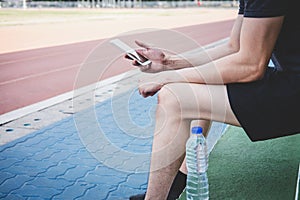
{"points": [[138, 57], [131, 53]]}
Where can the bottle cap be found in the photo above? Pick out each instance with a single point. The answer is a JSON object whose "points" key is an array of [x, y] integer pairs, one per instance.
{"points": [[197, 130]]}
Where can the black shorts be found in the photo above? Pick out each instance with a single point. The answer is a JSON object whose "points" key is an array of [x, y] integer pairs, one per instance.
{"points": [[268, 108]]}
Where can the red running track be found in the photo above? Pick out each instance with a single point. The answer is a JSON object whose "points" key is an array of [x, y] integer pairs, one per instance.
{"points": [[30, 76]]}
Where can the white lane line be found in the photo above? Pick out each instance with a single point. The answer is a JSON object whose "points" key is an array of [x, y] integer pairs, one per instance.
{"points": [[10, 116], [60, 69], [40, 74], [62, 52]]}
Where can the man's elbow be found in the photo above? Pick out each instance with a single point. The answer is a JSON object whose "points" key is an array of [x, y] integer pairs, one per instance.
{"points": [[254, 65], [255, 73], [233, 46]]}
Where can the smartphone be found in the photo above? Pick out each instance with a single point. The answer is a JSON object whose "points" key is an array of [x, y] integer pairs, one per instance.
{"points": [[131, 53]]}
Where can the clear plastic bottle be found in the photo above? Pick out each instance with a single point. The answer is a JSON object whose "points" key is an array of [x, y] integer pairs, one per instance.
{"points": [[197, 164]]}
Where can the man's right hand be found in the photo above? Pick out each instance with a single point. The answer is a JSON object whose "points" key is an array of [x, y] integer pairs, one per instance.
{"points": [[159, 60]]}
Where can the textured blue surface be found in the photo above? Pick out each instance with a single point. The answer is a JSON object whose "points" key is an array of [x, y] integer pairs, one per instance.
{"points": [[100, 153]]}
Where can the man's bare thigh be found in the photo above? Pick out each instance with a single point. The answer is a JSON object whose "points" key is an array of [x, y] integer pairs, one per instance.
{"points": [[207, 102]]}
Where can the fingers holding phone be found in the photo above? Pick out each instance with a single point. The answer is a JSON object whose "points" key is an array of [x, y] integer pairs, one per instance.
{"points": [[131, 53], [147, 58], [138, 58]]}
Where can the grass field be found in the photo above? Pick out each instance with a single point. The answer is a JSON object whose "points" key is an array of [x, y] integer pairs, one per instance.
{"points": [[19, 16], [265, 170], [38, 28]]}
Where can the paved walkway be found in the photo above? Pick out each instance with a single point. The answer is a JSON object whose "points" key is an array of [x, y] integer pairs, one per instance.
{"points": [[53, 163], [101, 152]]}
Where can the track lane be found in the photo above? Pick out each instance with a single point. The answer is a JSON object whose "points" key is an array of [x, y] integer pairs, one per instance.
{"points": [[31, 76]]}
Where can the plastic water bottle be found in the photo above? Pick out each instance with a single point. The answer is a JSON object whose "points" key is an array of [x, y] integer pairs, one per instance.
{"points": [[197, 164]]}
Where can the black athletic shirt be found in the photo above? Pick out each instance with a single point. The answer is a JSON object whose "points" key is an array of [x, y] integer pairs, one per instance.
{"points": [[286, 54]]}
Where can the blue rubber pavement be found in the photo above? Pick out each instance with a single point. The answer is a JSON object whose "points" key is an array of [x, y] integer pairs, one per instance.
{"points": [[99, 153]]}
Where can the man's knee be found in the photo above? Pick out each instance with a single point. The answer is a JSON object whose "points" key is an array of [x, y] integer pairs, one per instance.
{"points": [[186, 100], [167, 96]]}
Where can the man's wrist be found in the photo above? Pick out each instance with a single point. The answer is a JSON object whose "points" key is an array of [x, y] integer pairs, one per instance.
{"points": [[173, 62]]}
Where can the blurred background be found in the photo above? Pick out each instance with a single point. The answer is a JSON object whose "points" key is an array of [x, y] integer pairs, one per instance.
{"points": [[113, 3]]}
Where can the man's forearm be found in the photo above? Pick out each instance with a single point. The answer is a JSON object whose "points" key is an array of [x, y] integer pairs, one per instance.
{"points": [[234, 68], [198, 57]]}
